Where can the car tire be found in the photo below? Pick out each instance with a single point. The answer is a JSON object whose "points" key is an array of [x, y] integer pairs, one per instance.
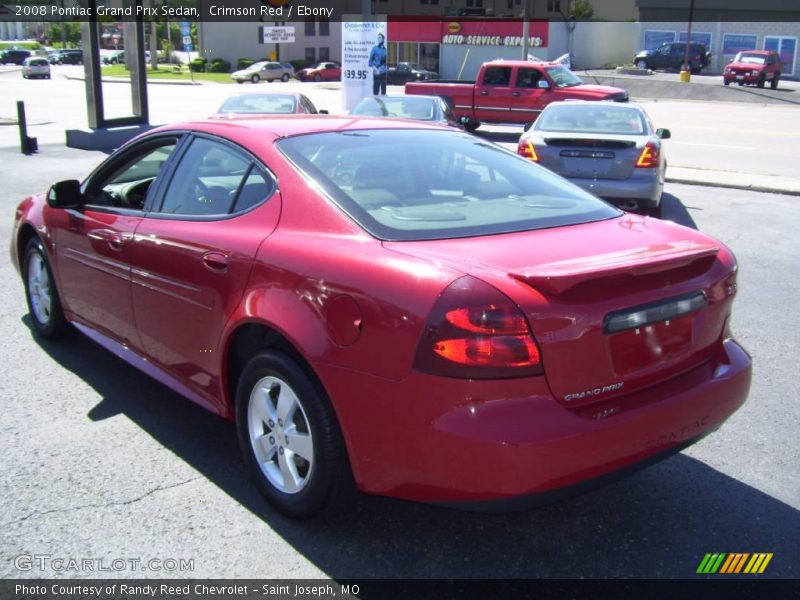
{"points": [[725, 82], [694, 70], [255, 79], [290, 437], [774, 83], [641, 64], [285, 77], [472, 125], [240, 81], [761, 80], [317, 77], [47, 76], [44, 306]]}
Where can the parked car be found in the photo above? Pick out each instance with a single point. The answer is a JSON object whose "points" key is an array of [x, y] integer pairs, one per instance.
{"points": [[14, 56], [69, 57], [336, 284], [52, 56], [404, 72], [671, 55], [513, 91], [421, 108], [754, 67], [610, 150], [264, 70], [35, 67], [266, 104], [116, 57], [324, 71]]}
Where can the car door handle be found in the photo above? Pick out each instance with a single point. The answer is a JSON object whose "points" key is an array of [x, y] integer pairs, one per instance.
{"points": [[484, 93], [216, 261], [515, 93], [115, 241]]}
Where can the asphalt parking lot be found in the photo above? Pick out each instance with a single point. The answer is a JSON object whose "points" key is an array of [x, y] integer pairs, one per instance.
{"points": [[100, 461]]}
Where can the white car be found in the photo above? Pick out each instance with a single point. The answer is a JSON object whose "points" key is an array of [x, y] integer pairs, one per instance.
{"points": [[36, 66], [267, 70]]}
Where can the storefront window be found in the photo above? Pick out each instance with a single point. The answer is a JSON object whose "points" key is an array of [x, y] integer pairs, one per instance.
{"points": [[786, 47], [429, 57], [311, 55], [324, 54]]}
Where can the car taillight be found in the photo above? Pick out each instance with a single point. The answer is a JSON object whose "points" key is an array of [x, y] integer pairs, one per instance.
{"points": [[476, 332], [648, 157], [526, 149]]}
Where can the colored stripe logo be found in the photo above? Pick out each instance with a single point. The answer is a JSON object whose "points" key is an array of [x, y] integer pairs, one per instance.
{"points": [[734, 563]]}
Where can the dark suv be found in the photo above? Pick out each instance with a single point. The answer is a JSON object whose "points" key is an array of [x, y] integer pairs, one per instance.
{"points": [[15, 57], [671, 56]]}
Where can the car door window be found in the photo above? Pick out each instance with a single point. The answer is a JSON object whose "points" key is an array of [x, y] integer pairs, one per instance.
{"points": [[497, 76], [128, 182], [528, 78], [214, 179]]}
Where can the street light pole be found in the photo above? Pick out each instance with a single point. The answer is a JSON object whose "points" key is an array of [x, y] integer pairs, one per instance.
{"points": [[686, 71]]}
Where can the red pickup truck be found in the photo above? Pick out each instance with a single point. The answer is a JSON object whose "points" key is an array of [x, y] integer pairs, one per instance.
{"points": [[513, 91]]}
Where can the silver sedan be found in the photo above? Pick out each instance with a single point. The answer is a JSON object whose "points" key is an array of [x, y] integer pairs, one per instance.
{"points": [[608, 149]]}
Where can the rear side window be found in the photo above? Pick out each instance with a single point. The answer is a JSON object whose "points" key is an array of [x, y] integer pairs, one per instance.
{"points": [[419, 184], [213, 179], [497, 76]]}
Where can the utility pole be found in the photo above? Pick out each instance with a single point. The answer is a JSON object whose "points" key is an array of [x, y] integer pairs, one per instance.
{"points": [[526, 27], [686, 71]]}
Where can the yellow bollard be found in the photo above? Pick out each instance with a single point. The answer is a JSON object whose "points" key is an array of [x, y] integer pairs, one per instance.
{"points": [[686, 76]]}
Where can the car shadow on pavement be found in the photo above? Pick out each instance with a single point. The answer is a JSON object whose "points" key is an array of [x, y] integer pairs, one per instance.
{"points": [[657, 523], [672, 209]]}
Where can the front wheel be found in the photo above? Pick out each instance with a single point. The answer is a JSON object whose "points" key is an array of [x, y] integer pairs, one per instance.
{"points": [[290, 437], [641, 64], [285, 77], [317, 77], [472, 125], [761, 80], [44, 305]]}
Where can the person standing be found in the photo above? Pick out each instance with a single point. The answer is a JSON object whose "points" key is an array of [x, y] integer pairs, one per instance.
{"points": [[377, 60]]}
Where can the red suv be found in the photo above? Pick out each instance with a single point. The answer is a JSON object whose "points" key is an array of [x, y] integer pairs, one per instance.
{"points": [[754, 67]]}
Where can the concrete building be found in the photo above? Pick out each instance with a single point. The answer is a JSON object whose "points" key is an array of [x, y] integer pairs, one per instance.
{"points": [[726, 27]]}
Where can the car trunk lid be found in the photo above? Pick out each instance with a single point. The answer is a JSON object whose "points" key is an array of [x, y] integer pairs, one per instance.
{"points": [[625, 304], [589, 156]]}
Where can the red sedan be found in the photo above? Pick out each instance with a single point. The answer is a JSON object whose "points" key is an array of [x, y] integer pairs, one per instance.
{"points": [[324, 71], [391, 304]]}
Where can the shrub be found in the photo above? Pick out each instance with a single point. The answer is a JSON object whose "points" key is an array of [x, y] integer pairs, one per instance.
{"points": [[299, 64], [198, 65], [219, 65], [243, 63]]}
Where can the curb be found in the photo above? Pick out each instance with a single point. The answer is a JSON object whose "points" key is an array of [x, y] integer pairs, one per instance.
{"points": [[765, 189]]}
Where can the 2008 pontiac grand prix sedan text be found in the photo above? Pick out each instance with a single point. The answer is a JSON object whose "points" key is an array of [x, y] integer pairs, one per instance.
{"points": [[386, 303]]}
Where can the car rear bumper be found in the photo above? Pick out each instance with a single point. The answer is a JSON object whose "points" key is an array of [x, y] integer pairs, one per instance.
{"points": [[644, 186], [441, 440]]}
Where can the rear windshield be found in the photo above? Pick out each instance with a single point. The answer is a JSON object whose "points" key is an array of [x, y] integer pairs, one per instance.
{"points": [[753, 59], [418, 184], [259, 104], [591, 119], [397, 106]]}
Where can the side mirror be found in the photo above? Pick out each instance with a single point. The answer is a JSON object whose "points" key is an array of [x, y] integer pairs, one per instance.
{"points": [[527, 126], [663, 134], [543, 84], [323, 112], [65, 194]]}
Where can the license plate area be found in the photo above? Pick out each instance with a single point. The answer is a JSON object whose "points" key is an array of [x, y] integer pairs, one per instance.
{"points": [[652, 345]]}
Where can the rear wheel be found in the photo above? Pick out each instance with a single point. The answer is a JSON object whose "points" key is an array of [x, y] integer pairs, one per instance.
{"points": [[44, 306], [290, 437], [255, 79], [693, 69], [774, 83], [641, 64]]}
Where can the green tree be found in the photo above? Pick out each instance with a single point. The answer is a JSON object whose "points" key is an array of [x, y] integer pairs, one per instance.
{"points": [[581, 9]]}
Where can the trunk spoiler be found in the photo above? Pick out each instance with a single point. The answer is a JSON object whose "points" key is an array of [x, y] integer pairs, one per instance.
{"points": [[558, 277]]}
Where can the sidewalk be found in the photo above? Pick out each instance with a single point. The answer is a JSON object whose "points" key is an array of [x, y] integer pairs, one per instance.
{"points": [[773, 184]]}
